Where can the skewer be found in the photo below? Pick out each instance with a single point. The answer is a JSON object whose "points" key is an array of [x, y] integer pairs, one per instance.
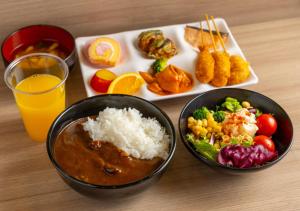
{"points": [[218, 33], [210, 32], [201, 33]]}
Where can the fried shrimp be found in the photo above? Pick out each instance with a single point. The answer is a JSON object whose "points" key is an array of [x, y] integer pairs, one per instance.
{"points": [[222, 68], [239, 70]]}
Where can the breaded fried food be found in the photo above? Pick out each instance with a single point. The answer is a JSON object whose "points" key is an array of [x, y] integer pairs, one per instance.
{"points": [[239, 70], [204, 70], [222, 68]]}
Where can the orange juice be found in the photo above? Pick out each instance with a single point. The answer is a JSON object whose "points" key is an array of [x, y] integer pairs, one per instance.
{"points": [[41, 103]]}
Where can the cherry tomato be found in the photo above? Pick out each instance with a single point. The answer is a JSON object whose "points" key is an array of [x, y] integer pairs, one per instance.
{"points": [[266, 124], [265, 141]]}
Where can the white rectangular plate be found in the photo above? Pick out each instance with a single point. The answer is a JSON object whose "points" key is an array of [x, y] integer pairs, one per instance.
{"points": [[134, 61]]}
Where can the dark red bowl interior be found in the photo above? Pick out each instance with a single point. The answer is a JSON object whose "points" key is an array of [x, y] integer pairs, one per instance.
{"points": [[31, 35]]}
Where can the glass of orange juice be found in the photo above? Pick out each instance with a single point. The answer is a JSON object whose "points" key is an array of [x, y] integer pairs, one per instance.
{"points": [[38, 83]]}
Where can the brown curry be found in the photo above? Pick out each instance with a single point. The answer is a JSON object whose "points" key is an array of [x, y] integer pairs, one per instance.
{"points": [[97, 162]]}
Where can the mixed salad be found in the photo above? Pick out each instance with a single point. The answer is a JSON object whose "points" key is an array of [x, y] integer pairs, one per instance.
{"points": [[233, 134]]}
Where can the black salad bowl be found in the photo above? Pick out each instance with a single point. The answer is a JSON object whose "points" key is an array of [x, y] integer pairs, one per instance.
{"points": [[282, 138], [92, 106]]}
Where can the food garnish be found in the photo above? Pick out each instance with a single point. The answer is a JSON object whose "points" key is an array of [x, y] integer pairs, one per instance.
{"points": [[104, 51], [127, 83], [231, 131], [101, 80], [159, 65], [155, 45]]}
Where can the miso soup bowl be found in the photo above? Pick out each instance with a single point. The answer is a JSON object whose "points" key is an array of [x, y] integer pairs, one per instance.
{"points": [[31, 35], [92, 106]]}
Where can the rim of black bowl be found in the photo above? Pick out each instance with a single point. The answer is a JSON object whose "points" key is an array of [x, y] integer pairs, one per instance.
{"points": [[71, 54], [153, 173], [215, 163]]}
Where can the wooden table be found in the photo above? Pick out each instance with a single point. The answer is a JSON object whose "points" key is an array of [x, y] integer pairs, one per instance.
{"points": [[268, 33]]}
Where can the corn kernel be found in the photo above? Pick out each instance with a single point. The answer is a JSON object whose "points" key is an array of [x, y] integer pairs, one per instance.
{"points": [[204, 122], [190, 119], [199, 122]]}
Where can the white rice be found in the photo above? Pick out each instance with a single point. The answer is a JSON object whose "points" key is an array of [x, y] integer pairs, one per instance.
{"points": [[140, 137]]}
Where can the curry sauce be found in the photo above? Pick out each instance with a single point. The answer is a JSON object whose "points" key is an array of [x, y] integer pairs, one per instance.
{"points": [[98, 162]]}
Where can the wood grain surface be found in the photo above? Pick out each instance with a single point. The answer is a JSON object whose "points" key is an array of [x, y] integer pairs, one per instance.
{"points": [[268, 33]]}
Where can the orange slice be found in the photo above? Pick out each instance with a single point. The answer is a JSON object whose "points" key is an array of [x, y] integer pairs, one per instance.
{"points": [[127, 83]]}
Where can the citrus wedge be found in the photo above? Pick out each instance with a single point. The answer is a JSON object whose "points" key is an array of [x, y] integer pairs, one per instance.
{"points": [[127, 83]]}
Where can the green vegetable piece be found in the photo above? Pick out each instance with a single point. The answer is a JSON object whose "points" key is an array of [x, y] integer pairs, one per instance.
{"points": [[204, 148], [159, 65], [234, 141], [231, 104], [201, 113], [219, 116], [247, 143], [258, 113]]}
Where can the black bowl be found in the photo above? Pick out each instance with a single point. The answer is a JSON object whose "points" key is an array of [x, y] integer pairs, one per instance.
{"points": [[92, 106], [282, 138]]}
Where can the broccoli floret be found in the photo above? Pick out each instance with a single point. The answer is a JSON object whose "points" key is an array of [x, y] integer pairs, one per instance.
{"points": [[231, 104], [201, 113], [159, 65], [219, 116]]}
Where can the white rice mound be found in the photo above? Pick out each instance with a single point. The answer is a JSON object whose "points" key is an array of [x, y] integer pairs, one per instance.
{"points": [[140, 137]]}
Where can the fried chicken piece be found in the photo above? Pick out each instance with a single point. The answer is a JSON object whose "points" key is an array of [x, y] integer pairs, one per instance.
{"points": [[204, 70], [239, 70], [222, 68]]}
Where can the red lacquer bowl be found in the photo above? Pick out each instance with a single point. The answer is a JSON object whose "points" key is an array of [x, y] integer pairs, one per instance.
{"points": [[31, 35]]}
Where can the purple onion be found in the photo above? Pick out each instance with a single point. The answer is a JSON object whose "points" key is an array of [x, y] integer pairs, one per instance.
{"points": [[212, 139], [252, 110], [245, 157]]}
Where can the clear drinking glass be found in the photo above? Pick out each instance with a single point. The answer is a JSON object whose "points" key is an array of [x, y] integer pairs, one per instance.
{"points": [[38, 83]]}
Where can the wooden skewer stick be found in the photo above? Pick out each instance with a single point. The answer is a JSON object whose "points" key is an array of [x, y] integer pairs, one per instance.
{"points": [[201, 33], [210, 32], [218, 33]]}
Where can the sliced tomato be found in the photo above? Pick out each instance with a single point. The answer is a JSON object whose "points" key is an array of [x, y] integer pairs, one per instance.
{"points": [[265, 141]]}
